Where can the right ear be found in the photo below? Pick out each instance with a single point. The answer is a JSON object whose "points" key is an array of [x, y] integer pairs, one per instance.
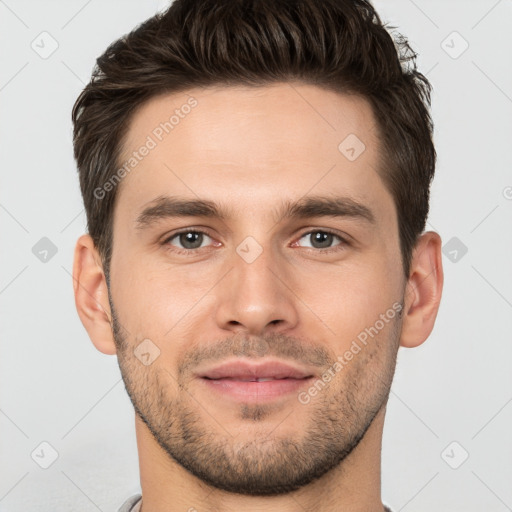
{"points": [[91, 295]]}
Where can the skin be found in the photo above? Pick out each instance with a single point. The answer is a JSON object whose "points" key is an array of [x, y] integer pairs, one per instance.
{"points": [[249, 150]]}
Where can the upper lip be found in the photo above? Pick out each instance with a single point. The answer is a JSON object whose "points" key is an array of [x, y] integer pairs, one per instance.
{"points": [[246, 370]]}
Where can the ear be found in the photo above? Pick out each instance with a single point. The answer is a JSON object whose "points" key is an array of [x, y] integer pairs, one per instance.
{"points": [[91, 295], [423, 290]]}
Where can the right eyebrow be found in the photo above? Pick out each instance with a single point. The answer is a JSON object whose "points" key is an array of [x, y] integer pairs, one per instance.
{"points": [[168, 207]]}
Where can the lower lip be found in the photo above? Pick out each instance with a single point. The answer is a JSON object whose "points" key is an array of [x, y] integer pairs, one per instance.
{"points": [[253, 391]]}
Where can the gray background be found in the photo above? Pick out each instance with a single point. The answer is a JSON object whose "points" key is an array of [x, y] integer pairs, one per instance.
{"points": [[451, 397]]}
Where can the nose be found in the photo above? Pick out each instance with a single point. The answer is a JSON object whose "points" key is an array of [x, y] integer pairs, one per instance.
{"points": [[256, 296]]}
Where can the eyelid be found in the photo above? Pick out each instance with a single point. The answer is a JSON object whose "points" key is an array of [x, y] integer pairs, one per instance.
{"points": [[168, 237], [345, 240]]}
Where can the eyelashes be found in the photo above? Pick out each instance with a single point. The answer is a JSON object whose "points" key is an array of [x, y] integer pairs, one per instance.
{"points": [[198, 236]]}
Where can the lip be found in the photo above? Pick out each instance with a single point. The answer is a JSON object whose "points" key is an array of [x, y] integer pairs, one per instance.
{"points": [[240, 379], [245, 370]]}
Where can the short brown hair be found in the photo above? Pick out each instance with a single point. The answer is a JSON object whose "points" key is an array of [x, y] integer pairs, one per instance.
{"points": [[340, 45]]}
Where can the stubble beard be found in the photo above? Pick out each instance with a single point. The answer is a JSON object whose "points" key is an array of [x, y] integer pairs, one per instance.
{"points": [[267, 464]]}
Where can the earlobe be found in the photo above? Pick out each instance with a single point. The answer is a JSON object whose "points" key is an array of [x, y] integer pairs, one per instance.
{"points": [[423, 290], [91, 295]]}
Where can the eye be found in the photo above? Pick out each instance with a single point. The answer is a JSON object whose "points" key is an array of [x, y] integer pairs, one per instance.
{"points": [[188, 240], [321, 239]]}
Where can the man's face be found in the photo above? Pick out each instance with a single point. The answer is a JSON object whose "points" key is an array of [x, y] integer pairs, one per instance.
{"points": [[309, 301]]}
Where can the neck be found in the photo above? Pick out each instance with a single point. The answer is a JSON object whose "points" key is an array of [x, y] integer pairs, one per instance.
{"points": [[354, 485]]}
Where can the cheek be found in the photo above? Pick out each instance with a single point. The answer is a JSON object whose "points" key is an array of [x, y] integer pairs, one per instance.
{"points": [[156, 301], [347, 300]]}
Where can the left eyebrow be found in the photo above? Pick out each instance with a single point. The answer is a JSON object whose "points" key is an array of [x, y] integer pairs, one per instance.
{"points": [[317, 206]]}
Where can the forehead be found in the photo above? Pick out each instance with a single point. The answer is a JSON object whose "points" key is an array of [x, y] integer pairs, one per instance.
{"points": [[283, 114], [242, 142]]}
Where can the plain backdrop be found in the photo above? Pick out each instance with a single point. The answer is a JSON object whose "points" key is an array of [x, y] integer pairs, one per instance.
{"points": [[447, 441]]}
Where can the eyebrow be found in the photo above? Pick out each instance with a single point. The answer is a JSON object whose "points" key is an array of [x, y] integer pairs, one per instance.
{"points": [[164, 207]]}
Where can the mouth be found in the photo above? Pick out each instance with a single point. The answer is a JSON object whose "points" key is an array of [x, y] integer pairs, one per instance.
{"points": [[251, 379], [255, 382]]}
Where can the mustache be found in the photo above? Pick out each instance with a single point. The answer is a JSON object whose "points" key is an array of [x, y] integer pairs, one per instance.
{"points": [[256, 347], [279, 345]]}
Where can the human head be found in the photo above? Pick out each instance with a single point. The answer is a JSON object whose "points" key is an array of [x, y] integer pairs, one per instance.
{"points": [[241, 145], [337, 45]]}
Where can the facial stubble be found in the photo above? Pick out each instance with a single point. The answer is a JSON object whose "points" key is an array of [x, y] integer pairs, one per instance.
{"points": [[267, 464]]}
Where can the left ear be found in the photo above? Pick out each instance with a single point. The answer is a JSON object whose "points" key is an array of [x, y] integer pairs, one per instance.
{"points": [[423, 290]]}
